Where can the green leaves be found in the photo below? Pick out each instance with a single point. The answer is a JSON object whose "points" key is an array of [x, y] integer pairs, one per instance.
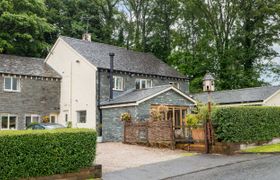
{"points": [[31, 153], [246, 124]]}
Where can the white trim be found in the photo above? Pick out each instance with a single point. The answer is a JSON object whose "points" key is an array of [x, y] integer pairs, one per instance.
{"points": [[118, 105], [8, 115], [115, 83], [274, 94], [146, 82], [149, 97], [12, 79], [173, 82], [53, 115], [240, 104], [31, 118]]}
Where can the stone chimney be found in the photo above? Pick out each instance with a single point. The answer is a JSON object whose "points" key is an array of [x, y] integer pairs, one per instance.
{"points": [[86, 37]]}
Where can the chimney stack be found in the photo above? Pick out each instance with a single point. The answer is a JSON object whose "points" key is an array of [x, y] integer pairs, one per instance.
{"points": [[86, 37], [111, 74]]}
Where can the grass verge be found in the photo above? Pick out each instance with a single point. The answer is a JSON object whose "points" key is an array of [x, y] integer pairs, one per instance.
{"points": [[264, 148]]}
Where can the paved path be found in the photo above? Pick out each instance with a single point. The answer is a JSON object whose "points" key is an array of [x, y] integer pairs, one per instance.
{"points": [[261, 169], [184, 167]]}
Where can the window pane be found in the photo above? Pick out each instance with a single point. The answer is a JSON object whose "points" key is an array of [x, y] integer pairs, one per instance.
{"points": [[52, 119], [8, 83], [15, 84], [13, 120], [35, 119], [82, 116], [4, 122], [137, 84], [143, 84], [149, 83], [27, 121], [114, 84]]}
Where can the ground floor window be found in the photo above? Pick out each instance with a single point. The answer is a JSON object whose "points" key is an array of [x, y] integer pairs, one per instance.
{"points": [[31, 118], [8, 121], [82, 116], [52, 118]]}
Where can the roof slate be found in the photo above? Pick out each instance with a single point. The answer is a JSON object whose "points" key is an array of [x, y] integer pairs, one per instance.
{"points": [[245, 95], [125, 60], [135, 95], [26, 66]]}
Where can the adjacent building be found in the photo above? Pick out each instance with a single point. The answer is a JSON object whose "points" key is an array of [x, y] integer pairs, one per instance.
{"points": [[29, 92]]}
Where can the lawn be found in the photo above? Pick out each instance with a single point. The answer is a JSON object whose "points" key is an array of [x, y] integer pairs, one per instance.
{"points": [[265, 148]]}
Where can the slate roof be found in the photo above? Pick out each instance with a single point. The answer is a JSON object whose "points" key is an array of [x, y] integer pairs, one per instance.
{"points": [[246, 95], [135, 95], [124, 60], [26, 66]]}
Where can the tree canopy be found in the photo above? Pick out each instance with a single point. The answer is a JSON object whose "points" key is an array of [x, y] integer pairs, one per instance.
{"points": [[233, 39]]}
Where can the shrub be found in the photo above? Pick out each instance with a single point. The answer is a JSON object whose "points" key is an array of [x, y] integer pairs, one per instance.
{"points": [[30, 153], [126, 116], [246, 124]]}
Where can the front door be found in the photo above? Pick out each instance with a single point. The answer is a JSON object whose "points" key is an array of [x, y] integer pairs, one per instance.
{"points": [[52, 118]]}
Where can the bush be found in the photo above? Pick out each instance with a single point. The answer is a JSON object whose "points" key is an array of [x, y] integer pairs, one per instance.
{"points": [[246, 124], [30, 153]]}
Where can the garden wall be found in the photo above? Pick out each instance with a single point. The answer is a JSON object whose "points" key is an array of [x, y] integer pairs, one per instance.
{"points": [[246, 124], [152, 133]]}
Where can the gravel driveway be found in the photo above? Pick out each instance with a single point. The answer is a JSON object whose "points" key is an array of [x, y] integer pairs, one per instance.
{"points": [[118, 156]]}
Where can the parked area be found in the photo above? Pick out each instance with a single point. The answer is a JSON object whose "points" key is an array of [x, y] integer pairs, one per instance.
{"points": [[118, 156]]}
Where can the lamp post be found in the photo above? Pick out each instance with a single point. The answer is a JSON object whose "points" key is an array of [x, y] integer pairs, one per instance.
{"points": [[208, 86]]}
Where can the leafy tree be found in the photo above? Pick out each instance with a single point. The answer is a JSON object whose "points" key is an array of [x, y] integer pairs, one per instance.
{"points": [[24, 29]]}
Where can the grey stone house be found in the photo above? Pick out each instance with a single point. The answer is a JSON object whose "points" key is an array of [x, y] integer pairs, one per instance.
{"points": [[97, 88], [29, 90]]}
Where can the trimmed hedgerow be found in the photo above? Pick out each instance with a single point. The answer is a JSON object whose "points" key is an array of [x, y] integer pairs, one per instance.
{"points": [[246, 124], [32, 153]]}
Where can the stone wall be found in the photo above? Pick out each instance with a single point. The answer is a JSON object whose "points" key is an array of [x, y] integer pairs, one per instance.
{"points": [[112, 126], [39, 97]]}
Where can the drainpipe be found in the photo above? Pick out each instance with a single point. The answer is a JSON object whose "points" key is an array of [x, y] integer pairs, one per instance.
{"points": [[111, 75], [99, 104]]}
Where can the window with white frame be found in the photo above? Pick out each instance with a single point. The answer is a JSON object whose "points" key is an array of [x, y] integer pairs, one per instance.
{"points": [[8, 121], [31, 118], [143, 83], [175, 84], [11, 84], [82, 116], [118, 83]]}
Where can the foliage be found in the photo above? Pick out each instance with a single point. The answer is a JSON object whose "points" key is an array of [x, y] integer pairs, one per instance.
{"points": [[126, 116], [157, 112], [192, 120], [46, 119], [246, 124], [32, 153], [264, 148]]}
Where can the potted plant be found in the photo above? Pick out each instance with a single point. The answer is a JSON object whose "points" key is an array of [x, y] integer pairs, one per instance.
{"points": [[191, 121], [126, 117]]}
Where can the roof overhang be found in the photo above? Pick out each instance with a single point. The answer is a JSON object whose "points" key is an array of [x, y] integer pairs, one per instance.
{"points": [[147, 98]]}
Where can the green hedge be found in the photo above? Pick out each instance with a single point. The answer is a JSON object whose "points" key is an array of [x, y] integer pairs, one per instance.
{"points": [[246, 124], [31, 153]]}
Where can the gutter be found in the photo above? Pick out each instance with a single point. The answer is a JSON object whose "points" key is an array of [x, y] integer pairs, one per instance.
{"points": [[99, 104]]}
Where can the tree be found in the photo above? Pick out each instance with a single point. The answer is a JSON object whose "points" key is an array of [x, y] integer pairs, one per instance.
{"points": [[23, 28]]}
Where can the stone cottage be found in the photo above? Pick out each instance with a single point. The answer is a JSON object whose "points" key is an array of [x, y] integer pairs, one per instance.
{"points": [[101, 81], [29, 90]]}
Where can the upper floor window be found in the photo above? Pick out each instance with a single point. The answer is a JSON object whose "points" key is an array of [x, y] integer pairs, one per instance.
{"points": [[82, 116], [8, 121], [144, 83], [118, 83], [11, 84], [175, 84]]}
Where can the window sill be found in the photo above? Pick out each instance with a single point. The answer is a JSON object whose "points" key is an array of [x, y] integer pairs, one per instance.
{"points": [[12, 91], [117, 89]]}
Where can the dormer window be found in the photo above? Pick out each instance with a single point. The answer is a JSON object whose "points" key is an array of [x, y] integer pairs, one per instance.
{"points": [[11, 84], [118, 83], [143, 83]]}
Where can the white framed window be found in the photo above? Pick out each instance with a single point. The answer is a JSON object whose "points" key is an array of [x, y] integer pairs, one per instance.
{"points": [[143, 83], [175, 84], [31, 118], [82, 116], [8, 122], [118, 83], [53, 118], [11, 84]]}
